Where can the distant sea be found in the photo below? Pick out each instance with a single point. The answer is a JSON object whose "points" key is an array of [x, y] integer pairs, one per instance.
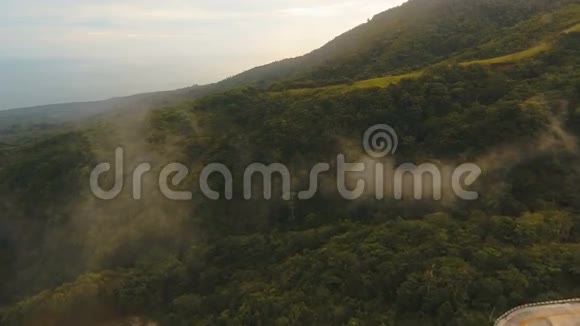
{"points": [[29, 82]]}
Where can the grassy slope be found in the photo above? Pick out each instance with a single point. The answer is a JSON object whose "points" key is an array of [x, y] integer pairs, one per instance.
{"points": [[390, 80], [512, 58], [369, 83], [574, 29]]}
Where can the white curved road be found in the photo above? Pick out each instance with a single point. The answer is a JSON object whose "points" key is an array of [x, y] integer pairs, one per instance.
{"points": [[565, 314]]}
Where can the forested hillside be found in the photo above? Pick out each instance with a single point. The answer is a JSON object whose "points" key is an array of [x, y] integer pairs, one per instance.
{"points": [[458, 80], [401, 40], [415, 35]]}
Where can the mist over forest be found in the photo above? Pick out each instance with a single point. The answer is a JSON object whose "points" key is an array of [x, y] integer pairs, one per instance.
{"points": [[492, 83]]}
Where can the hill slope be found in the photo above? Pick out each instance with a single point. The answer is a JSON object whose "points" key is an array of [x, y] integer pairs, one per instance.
{"points": [[397, 41], [278, 262]]}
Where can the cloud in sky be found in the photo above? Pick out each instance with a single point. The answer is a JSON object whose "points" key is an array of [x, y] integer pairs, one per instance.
{"points": [[194, 41]]}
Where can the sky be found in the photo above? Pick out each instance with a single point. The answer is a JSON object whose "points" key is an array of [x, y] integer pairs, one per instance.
{"points": [[81, 50]]}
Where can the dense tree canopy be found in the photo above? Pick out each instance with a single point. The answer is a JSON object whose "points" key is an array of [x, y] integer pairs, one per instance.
{"points": [[68, 259]]}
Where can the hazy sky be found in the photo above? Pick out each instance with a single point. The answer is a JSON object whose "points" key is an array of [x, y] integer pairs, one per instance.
{"points": [[55, 51]]}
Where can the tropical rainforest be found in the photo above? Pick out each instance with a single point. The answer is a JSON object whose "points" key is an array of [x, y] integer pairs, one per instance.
{"points": [[495, 82]]}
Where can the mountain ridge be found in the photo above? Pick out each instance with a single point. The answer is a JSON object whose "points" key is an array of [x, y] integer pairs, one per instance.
{"points": [[308, 69]]}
